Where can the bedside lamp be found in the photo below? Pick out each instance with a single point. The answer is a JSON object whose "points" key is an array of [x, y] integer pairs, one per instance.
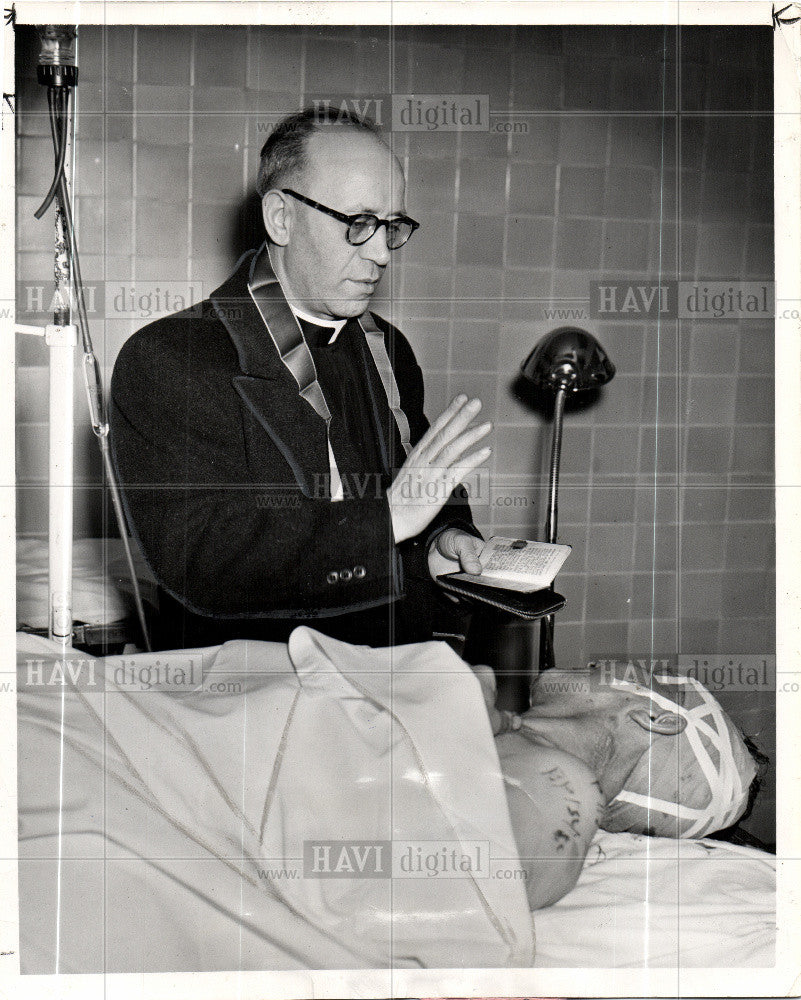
{"points": [[565, 361]]}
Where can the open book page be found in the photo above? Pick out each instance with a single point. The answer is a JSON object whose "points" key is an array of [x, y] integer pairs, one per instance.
{"points": [[518, 564]]}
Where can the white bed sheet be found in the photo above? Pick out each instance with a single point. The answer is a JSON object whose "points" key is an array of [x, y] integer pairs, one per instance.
{"points": [[652, 902], [640, 902], [102, 590]]}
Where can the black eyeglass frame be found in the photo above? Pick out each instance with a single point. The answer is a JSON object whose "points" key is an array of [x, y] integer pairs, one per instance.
{"points": [[351, 220]]}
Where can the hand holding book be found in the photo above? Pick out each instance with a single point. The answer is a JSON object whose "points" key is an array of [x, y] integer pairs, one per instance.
{"points": [[515, 576]]}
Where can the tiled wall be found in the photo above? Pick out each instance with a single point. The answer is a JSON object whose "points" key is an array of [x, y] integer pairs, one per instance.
{"points": [[642, 153]]}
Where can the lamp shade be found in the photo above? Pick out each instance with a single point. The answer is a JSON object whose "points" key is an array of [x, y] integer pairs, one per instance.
{"points": [[569, 359]]}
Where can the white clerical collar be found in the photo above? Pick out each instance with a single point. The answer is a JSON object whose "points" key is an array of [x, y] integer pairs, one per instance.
{"points": [[330, 324]]}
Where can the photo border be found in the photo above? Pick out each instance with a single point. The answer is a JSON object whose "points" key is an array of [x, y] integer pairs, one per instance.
{"points": [[782, 980]]}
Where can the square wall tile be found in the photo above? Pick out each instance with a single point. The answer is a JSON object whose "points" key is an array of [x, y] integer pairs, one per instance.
{"points": [[475, 347], [712, 350], [754, 636], [608, 597], [625, 246], [614, 451], [35, 165], [706, 451], [657, 546], [163, 172], [751, 503], [514, 451], [645, 82], [629, 193], [32, 511], [430, 340], [720, 251], [221, 56], [275, 58], [610, 547], [658, 503], [703, 546], [706, 504], [435, 69], [698, 636], [749, 546], [708, 400], [539, 141], [479, 240], [486, 71], [427, 283], [527, 292], [646, 141], [612, 504], [754, 452], [536, 81], [581, 190], [660, 399], [31, 394], [479, 283], [161, 229], [225, 100], [163, 55], [619, 403], [218, 129], [217, 174], [163, 129], [529, 241], [589, 90], [482, 186], [603, 640], [119, 43], [578, 244], [757, 350], [576, 453], [532, 188], [431, 186], [654, 595], [572, 587], [755, 399], [701, 595], [433, 242], [748, 594], [583, 139], [759, 260]]}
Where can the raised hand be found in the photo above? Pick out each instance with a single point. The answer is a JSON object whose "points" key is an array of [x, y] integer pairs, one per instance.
{"points": [[436, 464]]}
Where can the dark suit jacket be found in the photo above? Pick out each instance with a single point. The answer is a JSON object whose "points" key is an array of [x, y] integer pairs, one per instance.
{"points": [[220, 462]]}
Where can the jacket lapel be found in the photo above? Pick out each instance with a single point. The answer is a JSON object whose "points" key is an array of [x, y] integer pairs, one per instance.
{"points": [[266, 385]]}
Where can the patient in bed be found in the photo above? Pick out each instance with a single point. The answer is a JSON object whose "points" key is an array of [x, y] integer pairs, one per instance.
{"points": [[613, 742]]}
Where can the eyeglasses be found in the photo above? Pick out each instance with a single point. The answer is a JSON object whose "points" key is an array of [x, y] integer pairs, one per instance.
{"points": [[364, 225]]}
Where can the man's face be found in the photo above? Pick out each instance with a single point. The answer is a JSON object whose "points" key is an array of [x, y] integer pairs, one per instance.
{"points": [[351, 172]]}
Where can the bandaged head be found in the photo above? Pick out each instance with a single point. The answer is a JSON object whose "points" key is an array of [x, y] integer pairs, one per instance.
{"points": [[688, 785]]}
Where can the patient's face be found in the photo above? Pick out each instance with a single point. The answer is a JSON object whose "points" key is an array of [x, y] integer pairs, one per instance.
{"points": [[572, 693]]}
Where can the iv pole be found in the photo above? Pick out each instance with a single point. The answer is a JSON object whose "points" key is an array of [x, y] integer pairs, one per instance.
{"points": [[58, 71]]}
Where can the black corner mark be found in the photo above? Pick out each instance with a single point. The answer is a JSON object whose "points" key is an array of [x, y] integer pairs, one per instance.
{"points": [[778, 20], [9, 100]]}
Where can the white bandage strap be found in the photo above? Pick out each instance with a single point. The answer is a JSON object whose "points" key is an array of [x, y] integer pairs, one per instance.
{"points": [[727, 794]]}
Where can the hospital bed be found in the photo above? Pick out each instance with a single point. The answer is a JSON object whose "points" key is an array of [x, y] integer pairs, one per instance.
{"points": [[183, 813]]}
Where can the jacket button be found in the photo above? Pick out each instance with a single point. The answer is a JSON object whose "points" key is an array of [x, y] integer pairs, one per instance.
{"points": [[333, 577], [345, 575], [359, 572]]}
